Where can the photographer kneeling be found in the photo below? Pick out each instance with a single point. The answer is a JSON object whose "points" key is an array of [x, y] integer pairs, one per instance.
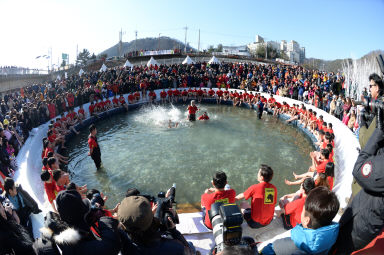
{"points": [[143, 234]]}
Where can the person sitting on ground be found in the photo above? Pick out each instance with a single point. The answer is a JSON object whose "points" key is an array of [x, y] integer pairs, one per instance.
{"points": [[61, 178], [326, 178], [184, 95], [21, 201], [264, 198], [142, 231], [122, 102], [217, 193], [69, 232], [131, 99], [115, 101], [50, 187], [204, 116], [219, 96], [152, 96], [291, 211], [81, 114], [317, 233], [163, 96], [314, 170]]}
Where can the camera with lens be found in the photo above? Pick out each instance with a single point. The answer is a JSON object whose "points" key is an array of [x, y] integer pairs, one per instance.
{"points": [[164, 206], [226, 222]]}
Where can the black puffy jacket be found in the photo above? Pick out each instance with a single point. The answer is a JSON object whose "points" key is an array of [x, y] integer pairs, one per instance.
{"points": [[363, 219], [59, 238]]}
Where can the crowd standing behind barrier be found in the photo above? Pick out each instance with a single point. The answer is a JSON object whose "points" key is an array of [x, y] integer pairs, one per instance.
{"points": [[36, 104]]}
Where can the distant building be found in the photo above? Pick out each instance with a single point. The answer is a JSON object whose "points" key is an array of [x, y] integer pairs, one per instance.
{"points": [[259, 42], [235, 50], [292, 49], [283, 45], [259, 39]]}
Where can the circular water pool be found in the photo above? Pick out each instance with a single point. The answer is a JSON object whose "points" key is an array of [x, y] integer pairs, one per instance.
{"points": [[140, 151]]}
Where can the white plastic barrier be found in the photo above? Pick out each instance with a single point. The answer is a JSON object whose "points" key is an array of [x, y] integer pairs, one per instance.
{"points": [[29, 160]]}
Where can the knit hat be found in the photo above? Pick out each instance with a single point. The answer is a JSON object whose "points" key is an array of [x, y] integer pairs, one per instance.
{"points": [[135, 213], [72, 208]]}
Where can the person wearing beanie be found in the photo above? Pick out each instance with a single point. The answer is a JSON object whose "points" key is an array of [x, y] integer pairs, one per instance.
{"points": [[69, 232], [143, 234]]}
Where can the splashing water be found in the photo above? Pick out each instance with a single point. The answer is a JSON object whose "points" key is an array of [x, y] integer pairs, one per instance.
{"points": [[159, 116]]}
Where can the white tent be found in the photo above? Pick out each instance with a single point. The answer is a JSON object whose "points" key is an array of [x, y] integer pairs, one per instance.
{"points": [[128, 64], [188, 61], [152, 62], [103, 68], [81, 72], [58, 78], [214, 60]]}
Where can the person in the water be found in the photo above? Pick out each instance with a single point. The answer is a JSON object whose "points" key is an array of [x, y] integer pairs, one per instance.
{"points": [[172, 124], [192, 109], [204, 116]]}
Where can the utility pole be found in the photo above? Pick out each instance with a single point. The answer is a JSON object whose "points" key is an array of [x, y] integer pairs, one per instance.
{"points": [[185, 40], [77, 53], [135, 41], [158, 47], [266, 50], [120, 42], [198, 44]]}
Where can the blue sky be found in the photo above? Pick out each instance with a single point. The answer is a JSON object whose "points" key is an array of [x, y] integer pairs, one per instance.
{"points": [[327, 29]]}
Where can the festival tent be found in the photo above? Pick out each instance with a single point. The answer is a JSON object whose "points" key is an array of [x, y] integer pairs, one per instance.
{"points": [[81, 72], [188, 61], [214, 60], [128, 64], [103, 68], [152, 62]]}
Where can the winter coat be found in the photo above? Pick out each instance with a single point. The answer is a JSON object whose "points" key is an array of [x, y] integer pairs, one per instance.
{"points": [[159, 246], [305, 241], [14, 239], [363, 219], [59, 238]]}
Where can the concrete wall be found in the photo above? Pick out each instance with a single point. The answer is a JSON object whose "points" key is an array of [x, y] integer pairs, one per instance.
{"points": [[13, 83]]}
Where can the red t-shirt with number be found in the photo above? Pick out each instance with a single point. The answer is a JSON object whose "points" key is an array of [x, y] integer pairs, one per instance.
{"points": [[264, 197], [224, 196]]}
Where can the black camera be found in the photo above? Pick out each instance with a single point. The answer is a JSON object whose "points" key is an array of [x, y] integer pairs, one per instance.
{"points": [[226, 222], [164, 204]]}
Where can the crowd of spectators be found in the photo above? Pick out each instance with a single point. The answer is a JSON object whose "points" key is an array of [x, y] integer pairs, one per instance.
{"points": [[79, 225]]}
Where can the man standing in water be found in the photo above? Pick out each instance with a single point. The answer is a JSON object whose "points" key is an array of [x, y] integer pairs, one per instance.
{"points": [[192, 109], [94, 148]]}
